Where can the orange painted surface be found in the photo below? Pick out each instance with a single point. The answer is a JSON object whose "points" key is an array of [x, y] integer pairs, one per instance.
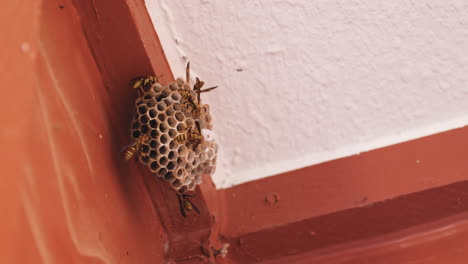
{"points": [[442, 241], [69, 198], [124, 45], [16, 97], [371, 230], [366, 203], [355, 181]]}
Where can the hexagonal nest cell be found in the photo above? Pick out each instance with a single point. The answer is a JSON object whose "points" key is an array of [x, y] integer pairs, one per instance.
{"points": [[164, 115]]}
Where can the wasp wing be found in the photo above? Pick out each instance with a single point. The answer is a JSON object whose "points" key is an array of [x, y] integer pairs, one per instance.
{"points": [[181, 206], [208, 89], [127, 146], [194, 206]]}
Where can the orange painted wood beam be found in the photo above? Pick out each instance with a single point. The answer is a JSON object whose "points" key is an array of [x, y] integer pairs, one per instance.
{"points": [[396, 203], [125, 45], [356, 181], [372, 230]]}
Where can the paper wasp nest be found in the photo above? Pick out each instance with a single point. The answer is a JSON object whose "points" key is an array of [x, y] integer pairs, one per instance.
{"points": [[162, 114]]}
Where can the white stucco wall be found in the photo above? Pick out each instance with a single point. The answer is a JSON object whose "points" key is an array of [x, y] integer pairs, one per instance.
{"points": [[302, 82]]}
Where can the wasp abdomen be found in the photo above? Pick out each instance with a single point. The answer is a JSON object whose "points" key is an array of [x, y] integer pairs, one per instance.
{"points": [[135, 147], [188, 205], [130, 152], [181, 138]]}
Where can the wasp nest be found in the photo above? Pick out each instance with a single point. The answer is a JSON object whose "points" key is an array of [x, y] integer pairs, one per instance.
{"points": [[163, 114]]}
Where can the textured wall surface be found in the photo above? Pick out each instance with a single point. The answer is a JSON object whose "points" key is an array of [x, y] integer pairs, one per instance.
{"points": [[303, 82]]}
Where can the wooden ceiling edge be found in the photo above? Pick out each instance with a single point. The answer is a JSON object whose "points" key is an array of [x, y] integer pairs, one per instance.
{"points": [[363, 233], [138, 52], [355, 181], [209, 198], [150, 39], [426, 241], [194, 237]]}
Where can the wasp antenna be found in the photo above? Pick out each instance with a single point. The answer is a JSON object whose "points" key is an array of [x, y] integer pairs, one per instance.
{"points": [[187, 73]]}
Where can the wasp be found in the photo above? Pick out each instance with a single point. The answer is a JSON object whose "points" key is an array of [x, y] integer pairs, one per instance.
{"points": [[183, 92], [196, 109], [135, 147], [194, 138], [194, 104], [144, 83], [186, 205]]}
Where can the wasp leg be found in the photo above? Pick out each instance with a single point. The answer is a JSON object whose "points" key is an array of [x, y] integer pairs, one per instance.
{"points": [[195, 146], [192, 102], [181, 206], [137, 156], [189, 106], [142, 90], [160, 76]]}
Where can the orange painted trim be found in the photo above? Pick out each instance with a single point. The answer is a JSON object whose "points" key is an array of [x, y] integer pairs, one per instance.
{"points": [[19, 26], [411, 220], [355, 181], [326, 212], [125, 45], [439, 242], [254, 215], [65, 193]]}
